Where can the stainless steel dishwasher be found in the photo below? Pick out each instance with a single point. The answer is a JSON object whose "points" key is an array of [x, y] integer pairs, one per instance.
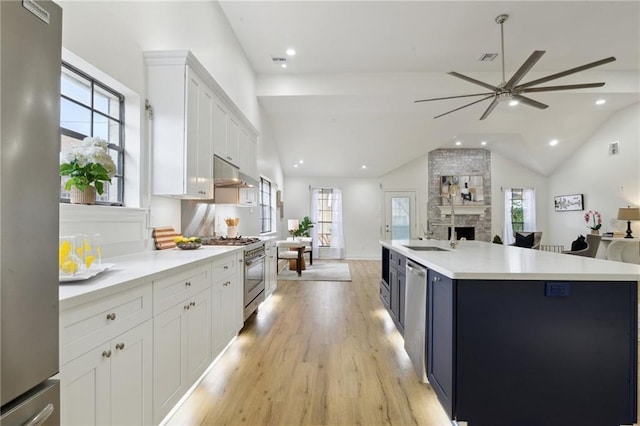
{"points": [[415, 317]]}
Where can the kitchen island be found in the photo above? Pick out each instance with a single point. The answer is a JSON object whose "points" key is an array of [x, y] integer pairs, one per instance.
{"points": [[521, 336]]}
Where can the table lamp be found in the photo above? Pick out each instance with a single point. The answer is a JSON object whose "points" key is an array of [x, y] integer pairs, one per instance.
{"points": [[292, 225], [629, 213]]}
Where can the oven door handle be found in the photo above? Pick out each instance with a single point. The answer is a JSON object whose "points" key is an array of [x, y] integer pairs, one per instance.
{"points": [[257, 259]]}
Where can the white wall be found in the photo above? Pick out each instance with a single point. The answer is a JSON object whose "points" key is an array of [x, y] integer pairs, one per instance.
{"points": [[506, 173], [112, 37], [361, 213], [608, 182], [413, 176]]}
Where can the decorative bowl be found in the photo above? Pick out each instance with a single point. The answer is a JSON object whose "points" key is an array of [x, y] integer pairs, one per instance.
{"points": [[188, 246]]}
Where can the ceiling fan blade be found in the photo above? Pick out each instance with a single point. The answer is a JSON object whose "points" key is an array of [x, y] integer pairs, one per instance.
{"points": [[452, 97], [524, 68], [494, 103], [530, 102], [464, 106], [565, 73], [565, 87], [474, 81]]}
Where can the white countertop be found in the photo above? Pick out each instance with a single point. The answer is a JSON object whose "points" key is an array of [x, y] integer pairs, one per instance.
{"points": [[487, 261], [135, 269]]}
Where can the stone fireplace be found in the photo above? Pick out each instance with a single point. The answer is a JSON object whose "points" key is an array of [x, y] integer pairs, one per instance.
{"points": [[467, 232], [474, 214]]}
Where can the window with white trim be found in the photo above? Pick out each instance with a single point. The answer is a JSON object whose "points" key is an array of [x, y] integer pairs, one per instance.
{"points": [[265, 206], [91, 108]]}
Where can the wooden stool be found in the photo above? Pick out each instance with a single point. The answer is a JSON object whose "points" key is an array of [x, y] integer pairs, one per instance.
{"points": [[293, 263]]}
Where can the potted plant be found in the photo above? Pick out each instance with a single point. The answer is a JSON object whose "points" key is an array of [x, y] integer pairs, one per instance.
{"points": [[597, 221], [88, 166], [304, 228]]}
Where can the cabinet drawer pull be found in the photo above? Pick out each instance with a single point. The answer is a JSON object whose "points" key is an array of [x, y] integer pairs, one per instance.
{"points": [[120, 346], [111, 316], [186, 307], [436, 279], [192, 304], [226, 267], [188, 283], [106, 354]]}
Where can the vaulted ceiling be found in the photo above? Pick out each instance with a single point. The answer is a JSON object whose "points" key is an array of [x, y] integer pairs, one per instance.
{"points": [[346, 98]]}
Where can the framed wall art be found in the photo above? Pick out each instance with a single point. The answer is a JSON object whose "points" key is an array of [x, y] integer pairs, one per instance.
{"points": [[565, 203]]}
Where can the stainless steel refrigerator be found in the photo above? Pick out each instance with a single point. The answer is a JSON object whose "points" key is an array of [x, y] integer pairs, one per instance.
{"points": [[30, 54]]}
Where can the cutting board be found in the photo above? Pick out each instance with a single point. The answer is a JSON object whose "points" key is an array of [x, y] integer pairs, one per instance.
{"points": [[164, 237]]}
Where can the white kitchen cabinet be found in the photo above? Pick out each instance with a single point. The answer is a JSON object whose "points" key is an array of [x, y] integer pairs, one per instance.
{"points": [[241, 197], [182, 335], [226, 139], [227, 316], [183, 112], [110, 384], [248, 153], [270, 267], [105, 352]]}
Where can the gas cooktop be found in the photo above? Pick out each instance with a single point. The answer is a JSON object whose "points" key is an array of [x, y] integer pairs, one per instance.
{"points": [[225, 241]]}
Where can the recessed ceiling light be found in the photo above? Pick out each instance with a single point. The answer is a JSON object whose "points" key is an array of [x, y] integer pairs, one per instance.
{"points": [[513, 103], [601, 101], [283, 65], [553, 142], [364, 166], [458, 143], [295, 165], [291, 52], [483, 143], [301, 161]]}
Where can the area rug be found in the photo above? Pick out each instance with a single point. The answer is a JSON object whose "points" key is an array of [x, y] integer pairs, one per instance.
{"points": [[319, 272]]}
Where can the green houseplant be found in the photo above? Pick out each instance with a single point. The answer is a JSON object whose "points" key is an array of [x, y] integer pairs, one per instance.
{"points": [[304, 228], [88, 166]]}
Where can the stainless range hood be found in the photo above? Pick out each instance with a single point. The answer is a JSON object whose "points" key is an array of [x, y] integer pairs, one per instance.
{"points": [[226, 175]]}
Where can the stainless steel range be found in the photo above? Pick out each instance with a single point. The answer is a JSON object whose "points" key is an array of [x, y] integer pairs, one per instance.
{"points": [[254, 257]]}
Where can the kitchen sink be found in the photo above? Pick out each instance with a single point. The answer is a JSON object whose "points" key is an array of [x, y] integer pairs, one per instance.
{"points": [[425, 248]]}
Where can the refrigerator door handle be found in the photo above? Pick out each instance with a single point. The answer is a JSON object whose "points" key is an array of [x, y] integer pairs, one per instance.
{"points": [[41, 417]]}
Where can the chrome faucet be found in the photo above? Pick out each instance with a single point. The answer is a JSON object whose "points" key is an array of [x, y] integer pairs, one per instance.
{"points": [[452, 224]]}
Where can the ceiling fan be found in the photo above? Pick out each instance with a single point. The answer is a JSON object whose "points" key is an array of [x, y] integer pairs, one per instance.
{"points": [[511, 90]]}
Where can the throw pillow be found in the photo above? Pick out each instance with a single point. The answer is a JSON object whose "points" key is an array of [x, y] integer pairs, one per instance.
{"points": [[579, 244], [524, 241]]}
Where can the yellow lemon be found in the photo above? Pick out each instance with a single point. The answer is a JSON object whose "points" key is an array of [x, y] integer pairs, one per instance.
{"points": [[65, 248], [89, 260], [69, 267], [87, 247], [79, 251]]}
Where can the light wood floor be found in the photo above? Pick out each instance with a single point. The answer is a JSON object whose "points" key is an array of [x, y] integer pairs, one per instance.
{"points": [[322, 353]]}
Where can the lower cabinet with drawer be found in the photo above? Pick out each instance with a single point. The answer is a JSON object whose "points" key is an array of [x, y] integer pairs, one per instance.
{"points": [[226, 301], [106, 372], [181, 337]]}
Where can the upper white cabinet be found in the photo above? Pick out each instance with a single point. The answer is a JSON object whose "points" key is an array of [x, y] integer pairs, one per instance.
{"points": [[249, 154], [183, 106], [193, 119]]}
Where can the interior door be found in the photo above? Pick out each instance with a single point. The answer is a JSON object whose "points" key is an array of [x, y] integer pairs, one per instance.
{"points": [[399, 215]]}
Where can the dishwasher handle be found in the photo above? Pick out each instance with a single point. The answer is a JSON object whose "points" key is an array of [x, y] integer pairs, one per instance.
{"points": [[416, 269]]}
